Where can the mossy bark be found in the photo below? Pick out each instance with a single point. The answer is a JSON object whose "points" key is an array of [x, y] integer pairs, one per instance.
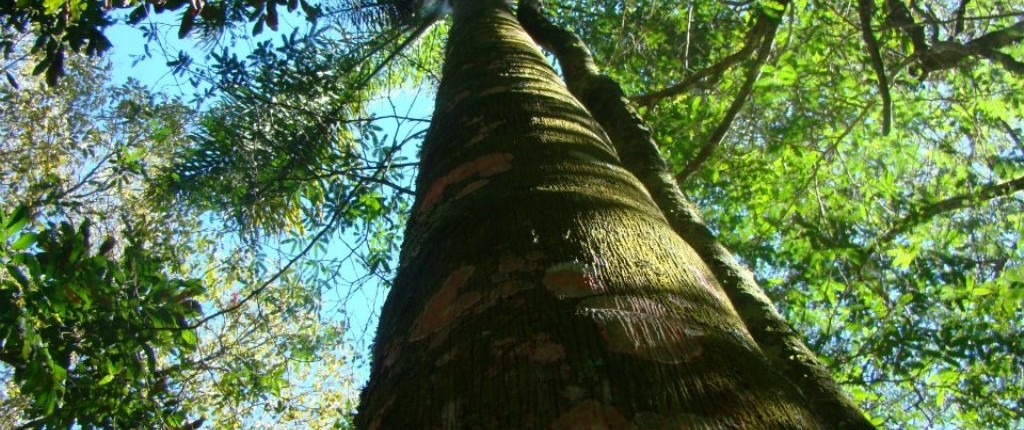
{"points": [[639, 154], [539, 285]]}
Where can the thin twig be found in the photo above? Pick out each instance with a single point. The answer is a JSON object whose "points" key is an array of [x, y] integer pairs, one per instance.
{"points": [[750, 78], [929, 211], [763, 25]]}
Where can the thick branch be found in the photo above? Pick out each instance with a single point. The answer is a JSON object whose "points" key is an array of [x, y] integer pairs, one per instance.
{"points": [[1000, 38], [639, 153], [941, 55], [866, 10], [929, 211]]}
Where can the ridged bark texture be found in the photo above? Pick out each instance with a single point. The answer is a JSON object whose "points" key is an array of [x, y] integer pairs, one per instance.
{"points": [[639, 154], [539, 286]]}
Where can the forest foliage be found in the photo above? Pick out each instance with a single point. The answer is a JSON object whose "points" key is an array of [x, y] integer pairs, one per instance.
{"points": [[865, 159]]}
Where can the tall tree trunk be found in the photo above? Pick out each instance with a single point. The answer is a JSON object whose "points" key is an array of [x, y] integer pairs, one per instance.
{"points": [[636, 147], [539, 285]]}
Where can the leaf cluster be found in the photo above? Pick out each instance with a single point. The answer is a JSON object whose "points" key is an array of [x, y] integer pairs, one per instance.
{"points": [[90, 151], [83, 327], [897, 255], [77, 26], [289, 141]]}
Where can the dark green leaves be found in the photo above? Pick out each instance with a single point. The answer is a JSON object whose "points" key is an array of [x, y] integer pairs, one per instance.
{"points": [[77, 26], [77, 322], [15, 222]]}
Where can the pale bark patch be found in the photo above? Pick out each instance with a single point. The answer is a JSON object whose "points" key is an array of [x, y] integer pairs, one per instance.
{"points": [[645, 328], [572, 280], [538, 350]]}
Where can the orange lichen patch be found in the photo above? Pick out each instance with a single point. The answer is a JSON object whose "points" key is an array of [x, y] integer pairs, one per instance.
{"points": [[492, 371], [446, 304], [538, 350], [501, 347], [484, 166], [470, 187], [497, 295], [486, 131], [645, 328], [459, 307], [571, 280], [591, 415]]}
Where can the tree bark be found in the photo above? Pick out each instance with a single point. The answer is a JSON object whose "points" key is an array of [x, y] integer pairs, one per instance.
{"points": [[639, 153], [539, 285]]}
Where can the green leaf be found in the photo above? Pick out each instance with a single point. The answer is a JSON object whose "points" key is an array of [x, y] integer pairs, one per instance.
{"points": [[902, 258], [19, 218], [105, 380], [257, 28], [52, 6], [25, 241], [48, 399], [188, 337], [134, 155]]}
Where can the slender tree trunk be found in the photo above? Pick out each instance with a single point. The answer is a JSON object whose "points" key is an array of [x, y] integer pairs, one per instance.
{"points": [[539, 285], [639, 153]]}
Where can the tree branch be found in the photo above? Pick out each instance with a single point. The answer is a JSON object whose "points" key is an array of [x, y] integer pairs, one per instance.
{"points": [[420, 29], [899, 17], [866, 9], [1013, 134], [36, 423], [941, 55], [961, 11], [1008, 62], [336, 216], [763, 25], [750, 77], [1000, 38], [929, 211]]}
